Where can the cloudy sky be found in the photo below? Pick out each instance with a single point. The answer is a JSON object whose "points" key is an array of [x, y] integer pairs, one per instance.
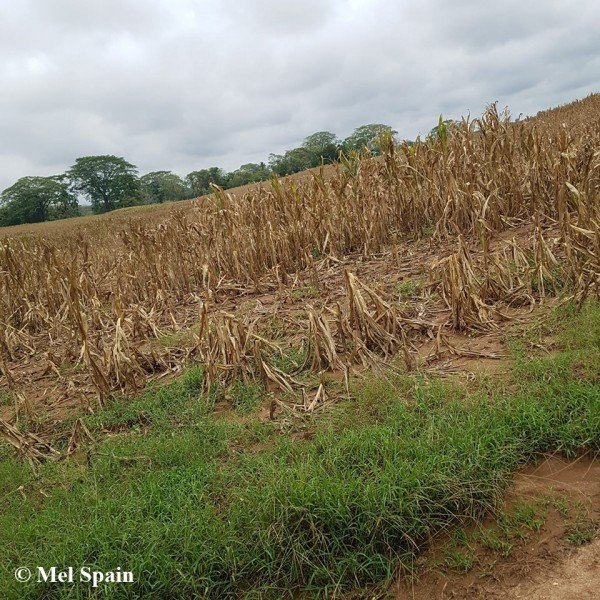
{"points": [[182, 84]]}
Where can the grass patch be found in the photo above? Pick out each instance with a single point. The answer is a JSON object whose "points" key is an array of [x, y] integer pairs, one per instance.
{"points": [[245, 397], [582, 531], [176, 404], [305, 291], [461, 561], [561, 505], [291, 360], [198, 506], [407, 288], [496, 542], [6, 398], [176, 339], [523, 517]]}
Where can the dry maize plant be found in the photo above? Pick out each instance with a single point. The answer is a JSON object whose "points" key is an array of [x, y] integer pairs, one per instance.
{"points": [[232, 350], [380, 329], [323, 352], [367, 326], [83, 306]]}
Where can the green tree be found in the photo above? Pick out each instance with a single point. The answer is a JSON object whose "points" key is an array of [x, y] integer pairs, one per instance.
{"points": [[36, 199], [277, 164], [199, 181], [248, 173], [108, 181], [319, 147], [322, 146], [368, 136], [293, 161], [163, 186]]}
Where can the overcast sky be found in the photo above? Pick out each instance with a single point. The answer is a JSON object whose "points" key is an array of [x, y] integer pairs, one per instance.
{"points": [[182, 84]]}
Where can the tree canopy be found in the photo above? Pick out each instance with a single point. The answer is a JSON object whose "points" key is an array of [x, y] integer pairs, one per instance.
{"points": [[107, 181], [322, 146], [36, 199], [248, 173], [368, 136], [199, 181], [162, 186]]}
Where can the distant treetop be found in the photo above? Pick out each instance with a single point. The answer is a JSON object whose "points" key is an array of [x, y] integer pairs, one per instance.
{"points": [[109, 182]]}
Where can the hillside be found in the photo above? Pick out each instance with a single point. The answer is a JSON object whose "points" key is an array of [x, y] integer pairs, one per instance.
{"points": [[297, 389], [574, 114]]}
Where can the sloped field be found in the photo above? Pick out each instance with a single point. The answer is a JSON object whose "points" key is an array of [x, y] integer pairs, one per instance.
{"points": [[293, 389]]}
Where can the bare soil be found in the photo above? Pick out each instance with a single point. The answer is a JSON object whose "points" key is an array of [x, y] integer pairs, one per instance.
{"points": [[546, 566], [281, 307]]}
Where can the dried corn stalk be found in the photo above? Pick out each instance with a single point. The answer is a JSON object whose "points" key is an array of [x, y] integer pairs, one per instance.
{"points": [[28, 444], [231, 350], [323, 354]]}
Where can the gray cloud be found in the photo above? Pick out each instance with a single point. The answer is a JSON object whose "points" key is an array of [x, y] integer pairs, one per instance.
{"points": [[188, 84]]}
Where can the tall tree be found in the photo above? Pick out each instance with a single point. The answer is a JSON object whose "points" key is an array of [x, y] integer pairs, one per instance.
{"points": [[199, 181], [163, 186], [108, 181], [248, 173], [368, 136], [293, 161], [322, 146], [35, 199]]}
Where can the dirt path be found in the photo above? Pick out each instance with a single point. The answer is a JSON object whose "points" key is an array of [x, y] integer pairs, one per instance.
{"points": [[577, 576], [547, 565]]}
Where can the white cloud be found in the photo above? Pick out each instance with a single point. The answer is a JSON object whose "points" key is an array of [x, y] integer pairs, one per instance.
{"points": [[183, 84]]}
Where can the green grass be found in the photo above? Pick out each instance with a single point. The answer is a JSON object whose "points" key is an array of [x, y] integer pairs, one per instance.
{"points": [[305, 291], [523, 517], [495, 541], [460, 560], [581, 528], [582, 531], [245, 397], [290, 360], [200, 506], [407, 288], [510, 527], [173, 405], [176, 339], [561, 505]]}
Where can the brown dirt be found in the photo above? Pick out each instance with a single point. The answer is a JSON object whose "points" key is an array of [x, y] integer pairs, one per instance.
{"points": [[283, 306], [543, 567]]}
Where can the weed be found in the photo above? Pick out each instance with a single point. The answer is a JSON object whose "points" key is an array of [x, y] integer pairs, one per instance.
{"points": [[459, 560], [245, 397], [6, 398], [306, 291], [528, 515], [178, 402], [176, 339], [561, 505], [291, 360], [406, 289], [582, 531], [492, 540]]}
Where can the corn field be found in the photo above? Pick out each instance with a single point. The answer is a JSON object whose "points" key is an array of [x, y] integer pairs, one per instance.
{"points": [[508, 211]]}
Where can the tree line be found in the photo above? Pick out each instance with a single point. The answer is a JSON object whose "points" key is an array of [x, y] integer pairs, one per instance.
{"points": [[109, 182]]}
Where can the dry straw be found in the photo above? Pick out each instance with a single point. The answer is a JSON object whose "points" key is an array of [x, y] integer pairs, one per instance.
{"points": [[95, 295]]}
